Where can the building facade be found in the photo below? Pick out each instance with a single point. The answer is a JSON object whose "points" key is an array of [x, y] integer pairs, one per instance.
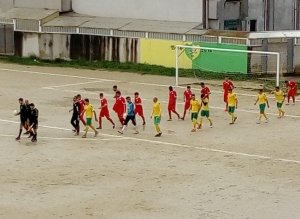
{"points": [[251, 15]]}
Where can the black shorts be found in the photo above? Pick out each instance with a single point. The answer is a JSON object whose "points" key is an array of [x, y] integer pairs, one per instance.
{"points": [[128, 118], [23, 120], [35, 126]]}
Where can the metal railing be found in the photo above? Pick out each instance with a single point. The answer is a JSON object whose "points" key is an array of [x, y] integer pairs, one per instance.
{"points": [[27, 25], [35, 26]]}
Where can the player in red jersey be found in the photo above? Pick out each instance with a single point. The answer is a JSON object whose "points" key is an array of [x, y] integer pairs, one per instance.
{"points": [[205, 90], [138, 110], [82, 104], [227, 84], [104, 112], [187, 96], [172, 103], [120, 107], [292, 89], [115, 89]]}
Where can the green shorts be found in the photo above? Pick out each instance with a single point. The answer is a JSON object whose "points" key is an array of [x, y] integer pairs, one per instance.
{"points": [[231, 109], [89, 121], [279, 105], [194, 116], [262, 107], [204, 113], [157, 120]]}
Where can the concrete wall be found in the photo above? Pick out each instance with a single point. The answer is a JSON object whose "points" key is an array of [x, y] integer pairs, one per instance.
{"points": [[61, 5], [64, 46], [169, 10], [284, 15], [256, 12], [6, 5]]}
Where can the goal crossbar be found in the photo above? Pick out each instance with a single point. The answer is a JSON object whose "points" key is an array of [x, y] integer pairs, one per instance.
{"points": [[277, 54]]}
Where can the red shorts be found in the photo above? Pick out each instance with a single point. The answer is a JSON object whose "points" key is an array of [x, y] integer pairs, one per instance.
{"points": [[172, 106], [187, 105], [139, 111], [120, 113], [104, 113], [225, 96], [292, 92]]}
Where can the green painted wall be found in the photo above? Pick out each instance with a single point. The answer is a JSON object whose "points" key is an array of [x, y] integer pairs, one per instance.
{"points": [[219, 61]]}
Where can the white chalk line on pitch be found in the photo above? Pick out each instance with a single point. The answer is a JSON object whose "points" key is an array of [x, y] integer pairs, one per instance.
{"points": [[76, 139], [58, 75], [68, 85], [181, 145], [212, 107], [109, 80]]}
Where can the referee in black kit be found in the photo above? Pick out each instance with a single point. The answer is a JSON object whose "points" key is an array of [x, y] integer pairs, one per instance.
{"points": [[23, 117]]}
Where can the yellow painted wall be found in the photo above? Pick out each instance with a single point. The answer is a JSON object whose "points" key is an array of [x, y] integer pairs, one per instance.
{"points": [[160, 52]]}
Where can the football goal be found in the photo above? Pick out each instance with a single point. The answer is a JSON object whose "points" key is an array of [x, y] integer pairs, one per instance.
{"points": [[198, 62]]}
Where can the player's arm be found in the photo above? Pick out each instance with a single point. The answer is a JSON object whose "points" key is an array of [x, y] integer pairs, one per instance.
{"points": [[267, 101], [236, 103], [70, 110], [95, 114], [256, 101]]}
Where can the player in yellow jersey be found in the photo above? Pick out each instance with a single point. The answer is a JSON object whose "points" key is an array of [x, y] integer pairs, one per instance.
{"points": [[204, 110], [89, 112], [195, 108], [156, 113], [232, 102], [279, 96], [263, 102]]}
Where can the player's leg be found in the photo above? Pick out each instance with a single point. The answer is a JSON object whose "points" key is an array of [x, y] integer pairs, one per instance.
{"points": [[73, 122], [34, 128], [294, 95], [133, 120], [110, 120], [175, 112], [77, 125], [20, 130], [225, 100], [288, 97], [185, 109], [170, 112], [209, 119], [127, 119], [280, 111], [194, 118], [157, 127], [231, 110], [141, 114], [82, 120], [88, 124]]}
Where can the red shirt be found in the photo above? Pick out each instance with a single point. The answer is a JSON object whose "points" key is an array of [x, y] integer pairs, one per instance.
{"points": [[116, 95], [172, 96], [188, 96], [120, 104], [291, 84], [205, 91], [227, 85], [103, 103], [82, 103], [138, 102]]}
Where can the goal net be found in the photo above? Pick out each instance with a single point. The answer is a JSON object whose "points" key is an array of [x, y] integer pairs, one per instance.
{"points": [[214, 63]]}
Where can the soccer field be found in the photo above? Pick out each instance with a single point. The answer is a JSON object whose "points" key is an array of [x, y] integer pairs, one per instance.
{"points": [[231, 172]]}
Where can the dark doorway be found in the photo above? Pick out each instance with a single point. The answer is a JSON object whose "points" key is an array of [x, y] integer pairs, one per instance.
{"points": [[253, 25]]}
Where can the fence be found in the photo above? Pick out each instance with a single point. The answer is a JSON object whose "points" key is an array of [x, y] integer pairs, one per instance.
{"points": [[6, 39]]}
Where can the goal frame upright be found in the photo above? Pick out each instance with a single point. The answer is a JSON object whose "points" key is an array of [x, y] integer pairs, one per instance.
{"points": [[277, 54]]}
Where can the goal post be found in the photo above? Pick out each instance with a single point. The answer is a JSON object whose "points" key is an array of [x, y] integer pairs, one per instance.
{"points": [[228, 61]]}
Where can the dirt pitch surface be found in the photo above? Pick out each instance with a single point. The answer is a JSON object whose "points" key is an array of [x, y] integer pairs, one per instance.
{"points": [[228, 172]]}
